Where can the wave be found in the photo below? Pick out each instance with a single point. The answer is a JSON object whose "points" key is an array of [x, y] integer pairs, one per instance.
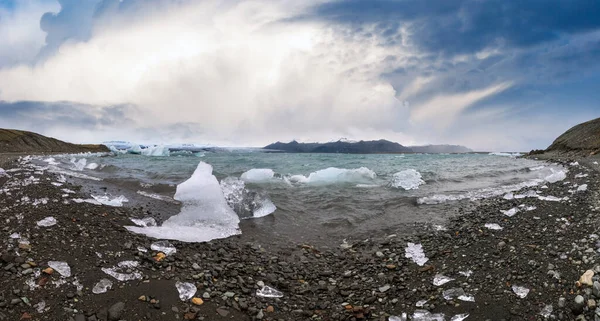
{"points": [[505, 154], [334, 175], [407, 179], [205, 214], [478, 194]]}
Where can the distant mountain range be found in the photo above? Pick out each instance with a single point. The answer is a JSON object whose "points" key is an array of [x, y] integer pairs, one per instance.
{"points": [[363, 147]]}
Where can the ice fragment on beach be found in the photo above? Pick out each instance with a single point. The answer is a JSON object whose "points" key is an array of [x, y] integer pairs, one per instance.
{"points": [[40, 306], [47, 222], [547, 311], [510, 212], [407, 179], [453, 293], [116, 273], [142, 249], [459, 317], [509, 196], [402, 317], [574, 164], [420, 303], [163, 246], [493, 226], [438, 227], [61, 267], [102, 286], [56, 184], [582, 188], [550, 198], [581, 175], [186, 290], [106, 200], [439, 279], [415, 252], [424, 315], [556, 176], [268, 292], [466, 273], [15, 236], [467, 298], [144, 222], [520, 291]]}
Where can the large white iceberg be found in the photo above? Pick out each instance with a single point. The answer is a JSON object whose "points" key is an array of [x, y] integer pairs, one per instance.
{"points": [[205, 214], [333, 175]]}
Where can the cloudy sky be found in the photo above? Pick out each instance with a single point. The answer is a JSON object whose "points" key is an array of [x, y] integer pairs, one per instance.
{"points": [[488, 74]]}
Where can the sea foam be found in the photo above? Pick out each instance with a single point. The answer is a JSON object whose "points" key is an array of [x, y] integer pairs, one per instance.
{"points": [[205, 214], [407, 179]]}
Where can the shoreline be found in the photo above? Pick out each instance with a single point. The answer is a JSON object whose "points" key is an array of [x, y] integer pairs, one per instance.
{"points": [[364, 280]]}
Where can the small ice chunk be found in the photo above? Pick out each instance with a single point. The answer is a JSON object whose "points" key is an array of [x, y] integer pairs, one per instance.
{"points": [[15, 236], [466, 273], [106, 200], [163, 246], [144, 222], [556, 176], [439, 279], [102, 286], [530, 208], [61, 267], [186, 290], [459, 317], [142, 249], [509, 196], [56, 184], [550, 198], [47, 222], [547, 311], [467, 298], [40, 306], [582, 188], [116, 271], [574, 164], [493, 226], [438, 227], [415, 252], [420, 303], [424, 315], [453, 293], [520, 291], [510, 212], [268, 292], [403, 317]]}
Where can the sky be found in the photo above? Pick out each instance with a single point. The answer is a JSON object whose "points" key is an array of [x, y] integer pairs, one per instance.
{"points": [[493, 75]]}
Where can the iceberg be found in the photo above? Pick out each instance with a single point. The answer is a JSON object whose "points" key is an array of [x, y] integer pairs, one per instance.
{"points": [[258, 175], [92, 166], [407, 179], [333, 175], [158, 150], [205, 214]]}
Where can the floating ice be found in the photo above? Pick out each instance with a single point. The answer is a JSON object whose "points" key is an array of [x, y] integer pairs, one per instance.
{"points": [[78, 165], [244, 202], [102, 286], [68, 191], [415, 252], [582, 188], [268, 292], [116, 273], [367, 185], [61, 267], [159, 150], [205, 214], [333, 175], [547, 311], [258, 175], [476, 195], [556, 176], [47, 222], [439, 279], [493, 226], [537, 168], [520, 291], [144, 222], [510, 212], [163, 246], [106, 200], [186, 290], [407, 179], [424, 315], [459, 317], [92, 166]]}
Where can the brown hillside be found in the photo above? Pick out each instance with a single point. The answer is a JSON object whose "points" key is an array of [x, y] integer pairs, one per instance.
{"points": [[19, 141]]}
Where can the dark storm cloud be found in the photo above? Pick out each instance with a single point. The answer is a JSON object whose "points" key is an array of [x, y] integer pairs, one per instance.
{"points": [[467, 26]]}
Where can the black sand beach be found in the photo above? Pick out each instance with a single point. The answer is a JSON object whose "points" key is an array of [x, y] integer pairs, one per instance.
{"points": [[545, 250]]}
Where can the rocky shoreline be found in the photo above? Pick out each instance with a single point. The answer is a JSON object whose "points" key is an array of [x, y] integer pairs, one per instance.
{"points": [[528, 270]]}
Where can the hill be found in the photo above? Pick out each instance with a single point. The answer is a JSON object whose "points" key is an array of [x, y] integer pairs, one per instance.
{"points": [[580, 140], [362, 147], [19, 141]]}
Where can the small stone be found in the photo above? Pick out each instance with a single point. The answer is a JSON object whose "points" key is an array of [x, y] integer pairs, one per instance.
{"points": [[197, 301], [586, 278], [596, 289], [562, 302], [501, 244], [384, 288], [591, 303], [270, 309], [222, 312], [115, 311], [206, 295], [48, 271], [143, 298], [579, 304]]}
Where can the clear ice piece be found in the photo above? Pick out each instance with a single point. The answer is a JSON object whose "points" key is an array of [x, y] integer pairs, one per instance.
{"points": [[453, 293], [547, 311], [403, 317], [102, 286], [163, 246], [520, 291], [467, 298], [144, 222], [415, 252], [459, 317], [61, 267], [424, 315], [493, 226], [186, 290], [269, 292], [47, 222], [466, 273], [117, 271], [439, 279]]}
